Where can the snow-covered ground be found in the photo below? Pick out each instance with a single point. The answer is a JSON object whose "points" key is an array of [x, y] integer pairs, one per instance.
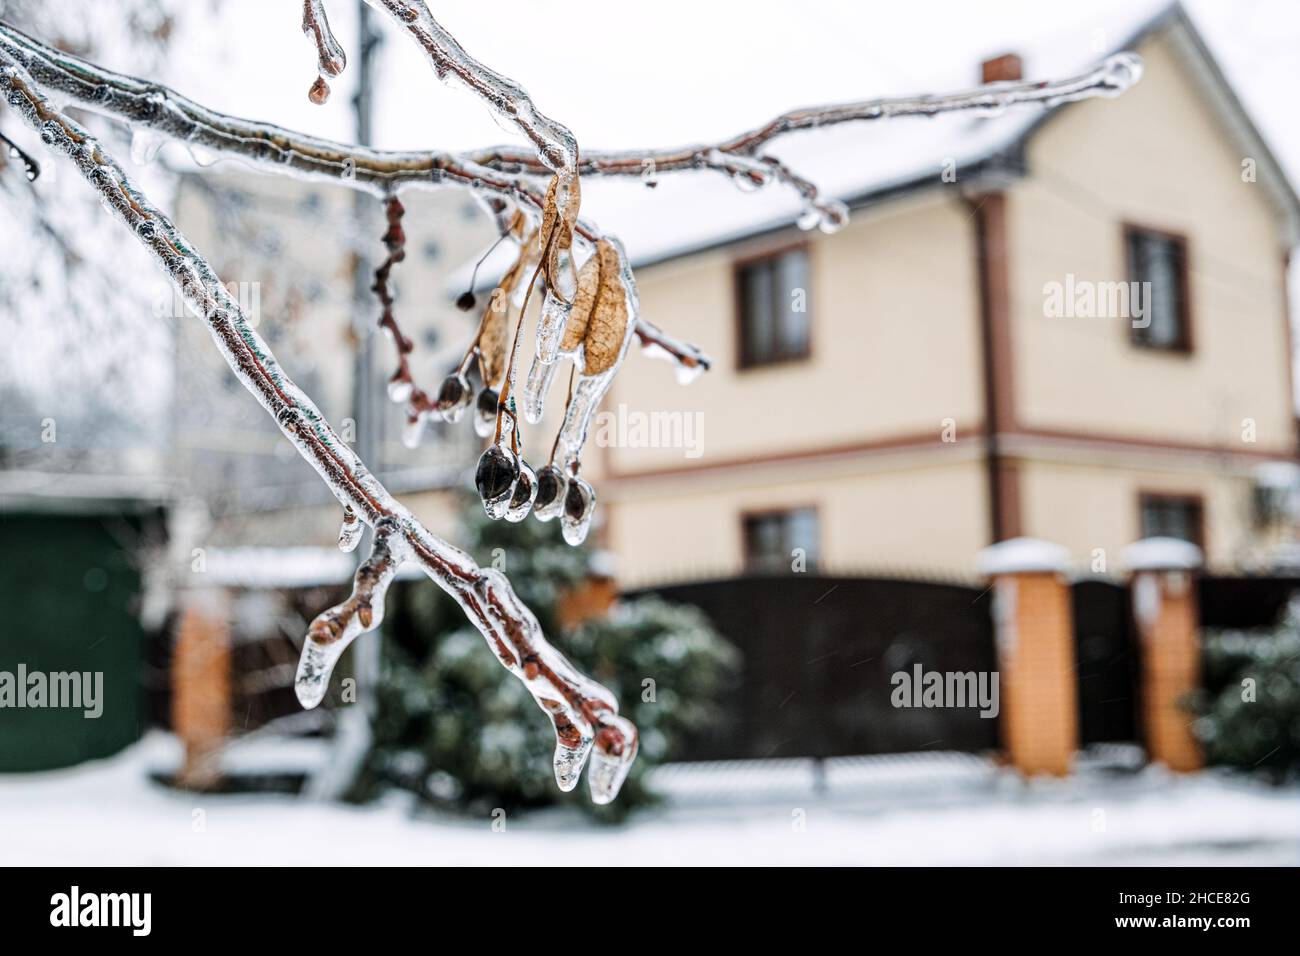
{"points": [[940, 809]]}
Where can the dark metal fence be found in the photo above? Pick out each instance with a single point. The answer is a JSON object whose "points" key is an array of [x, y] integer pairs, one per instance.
{"points": [[1244, 602], [819, 655], [1107, 662]]}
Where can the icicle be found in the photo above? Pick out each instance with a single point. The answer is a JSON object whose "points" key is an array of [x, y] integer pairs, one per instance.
{"points": [[413, 431], [350, 531], [536, 387], [144, 146], [550, 327]]}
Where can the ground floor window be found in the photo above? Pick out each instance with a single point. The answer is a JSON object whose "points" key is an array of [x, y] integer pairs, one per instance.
{"points": [[1173, 516], [782, 540]]}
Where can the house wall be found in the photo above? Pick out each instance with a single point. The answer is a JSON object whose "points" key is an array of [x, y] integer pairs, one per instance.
{"points": [[1155, 156], [916, 513], [895, 346]]}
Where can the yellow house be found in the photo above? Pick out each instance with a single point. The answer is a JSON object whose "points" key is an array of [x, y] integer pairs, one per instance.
{"points": [[1071, 325]]}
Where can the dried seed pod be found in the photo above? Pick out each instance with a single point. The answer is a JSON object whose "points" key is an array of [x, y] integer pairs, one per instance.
{"points": [[607, 328], [579, 506], [575, 330], [549, 502], [485, 412], [521, 502], [557, 233], [495, 478], [454, 396]]}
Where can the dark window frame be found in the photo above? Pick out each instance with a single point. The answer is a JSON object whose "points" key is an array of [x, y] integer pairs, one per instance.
{"points": [[748, 516], [1184, 345], [1194, 499], [745, 359]]}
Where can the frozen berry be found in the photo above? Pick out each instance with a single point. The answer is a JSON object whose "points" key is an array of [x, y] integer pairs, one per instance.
{"points": [[550, 493]]}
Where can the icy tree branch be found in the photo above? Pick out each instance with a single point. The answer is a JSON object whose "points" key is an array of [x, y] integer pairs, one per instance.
{"points": [[330, 58], [585, 715], [274, 149], [742, 155]]}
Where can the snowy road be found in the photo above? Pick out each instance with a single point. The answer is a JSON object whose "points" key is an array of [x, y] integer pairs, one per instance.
{"points": [[107, 813]]}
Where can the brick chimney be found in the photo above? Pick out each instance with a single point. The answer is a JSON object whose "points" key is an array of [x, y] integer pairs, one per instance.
{"points": [[1001, 68]]}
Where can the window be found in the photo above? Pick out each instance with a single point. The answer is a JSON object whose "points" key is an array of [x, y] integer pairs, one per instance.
{"points": [[772, 537], [1173, 516], [1157, 262], [773, 302]]}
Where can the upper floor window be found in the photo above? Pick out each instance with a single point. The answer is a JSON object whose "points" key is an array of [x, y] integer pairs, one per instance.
{"points": [[1173, 516], [773, 302], [776, 540], [1157, 262]]}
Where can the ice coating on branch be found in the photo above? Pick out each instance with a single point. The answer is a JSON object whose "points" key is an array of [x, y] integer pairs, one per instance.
{"points": [[828, 215], [334, 629], [577, 706], [350, 530], [590, 729], [557, 146], [330, 58]]}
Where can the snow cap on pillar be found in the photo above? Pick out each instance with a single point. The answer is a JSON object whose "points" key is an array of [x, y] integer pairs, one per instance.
{"points": [[1022, 556], [1162, 554]]}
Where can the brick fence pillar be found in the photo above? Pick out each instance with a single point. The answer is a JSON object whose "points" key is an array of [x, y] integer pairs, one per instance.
{"points": [[1163, 585], [201, 687], [1034, 628]]}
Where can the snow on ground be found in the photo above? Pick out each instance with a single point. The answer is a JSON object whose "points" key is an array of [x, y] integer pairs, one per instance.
{"points": [[955, 810]]}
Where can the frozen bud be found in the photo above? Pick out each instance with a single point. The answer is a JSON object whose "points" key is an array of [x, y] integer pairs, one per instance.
{"points": [[413, 431], [579, 505], [319, 92], [485, 412], [466, 301], [454, 397], [550, 493], [495, 478], [521, 502], [399, 389]]}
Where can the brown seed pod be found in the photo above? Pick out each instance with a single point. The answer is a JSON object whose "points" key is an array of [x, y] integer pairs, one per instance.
{"points": [[557, 230], [575, 330], [607, 328]]}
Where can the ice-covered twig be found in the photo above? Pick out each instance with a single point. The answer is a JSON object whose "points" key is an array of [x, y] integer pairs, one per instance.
{"points": [[556, 147], [30, 167], [275, 149], [330, 58], [584, 714], [736, 156]]}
